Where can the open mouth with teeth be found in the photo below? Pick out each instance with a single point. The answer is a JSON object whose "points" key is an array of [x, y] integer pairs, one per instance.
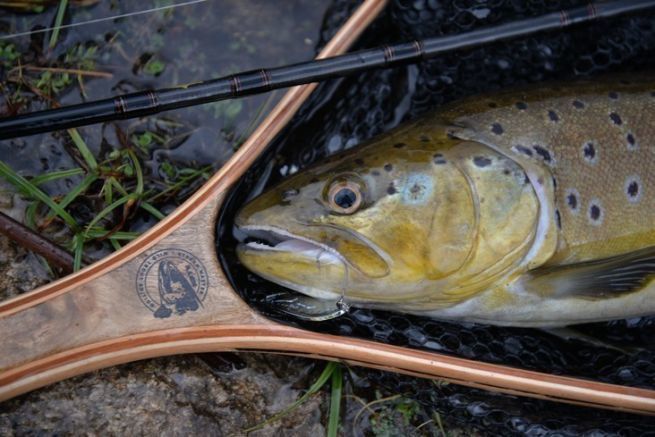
{"points": [[296, 262], [314, 259], [265, 238]]}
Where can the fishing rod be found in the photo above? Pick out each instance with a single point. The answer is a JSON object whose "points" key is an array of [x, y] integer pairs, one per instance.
{"points": [[150, 102]]}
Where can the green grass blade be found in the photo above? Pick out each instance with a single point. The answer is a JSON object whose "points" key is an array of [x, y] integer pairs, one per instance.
{"points": [[102, 214], [117, 185], [152, 210], [437, 418], [72, 195], [78, 249], [30, 189], [83, 148], [115, 244], [58, 20], [30, 215], [53, 176], [137, 170], [318, 384], [119, 236], [181, 183], [106, 191], [335, 402]]}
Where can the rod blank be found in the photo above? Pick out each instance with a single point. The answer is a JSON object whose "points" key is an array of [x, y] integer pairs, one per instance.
{"points": [[149, 102]]}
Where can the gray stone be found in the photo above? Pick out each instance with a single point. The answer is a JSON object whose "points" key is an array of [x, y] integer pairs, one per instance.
{"points": [[181, 395]]}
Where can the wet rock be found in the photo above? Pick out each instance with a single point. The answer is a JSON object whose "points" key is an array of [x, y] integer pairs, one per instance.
{"points": [[20, 270], [180, 395]]}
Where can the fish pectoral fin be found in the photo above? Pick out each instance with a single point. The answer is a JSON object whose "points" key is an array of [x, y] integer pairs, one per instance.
{"points": [[605, 278]]}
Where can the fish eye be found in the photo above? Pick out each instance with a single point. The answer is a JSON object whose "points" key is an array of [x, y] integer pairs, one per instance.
{"points": [[344, 197]]}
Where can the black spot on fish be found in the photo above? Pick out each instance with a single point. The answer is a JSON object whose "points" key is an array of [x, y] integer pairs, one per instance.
{"points": [[554, 182], [492, 104], [375, 173], [572, 201], [545, 154], [552, 115], [388, 167], [439, 159], [497, 129], [313, 180], [424, 138], [578, 104], [633, 189], [506, 172], [399, 145], [558, 217], [391, 189], [594, 212], [416, 188], [613, 95], [481, 161], [359, 161], [523, 149], [589, 151], [521, 106], [616, 119], [631, 140]]}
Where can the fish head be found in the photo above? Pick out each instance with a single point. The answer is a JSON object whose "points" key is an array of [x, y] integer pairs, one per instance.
{"points": [[391, 221]]}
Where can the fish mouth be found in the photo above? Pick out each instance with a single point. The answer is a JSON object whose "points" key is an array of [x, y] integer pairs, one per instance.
{"points": [[263, 238]]}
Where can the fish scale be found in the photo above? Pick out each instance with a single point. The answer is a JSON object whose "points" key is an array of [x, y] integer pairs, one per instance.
{"points": [[589, 155]]}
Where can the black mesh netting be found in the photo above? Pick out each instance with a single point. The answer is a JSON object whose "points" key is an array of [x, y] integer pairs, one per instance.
{"points": [[344, 112]]}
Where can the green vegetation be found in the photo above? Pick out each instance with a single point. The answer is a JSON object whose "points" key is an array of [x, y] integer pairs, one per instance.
{"points": [[154, 67], [117, 185], [8, 54], [331, 372], [111, 187], [385, 416], [335, 402], [63, 4]]}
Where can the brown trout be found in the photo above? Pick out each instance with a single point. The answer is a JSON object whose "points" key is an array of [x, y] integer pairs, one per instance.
{"points": [[525, 208]]}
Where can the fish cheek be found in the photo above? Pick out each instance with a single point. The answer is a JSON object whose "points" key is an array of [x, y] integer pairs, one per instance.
{"points": [[364, 259], [404, 239], [453, 227], [344, 234]]}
